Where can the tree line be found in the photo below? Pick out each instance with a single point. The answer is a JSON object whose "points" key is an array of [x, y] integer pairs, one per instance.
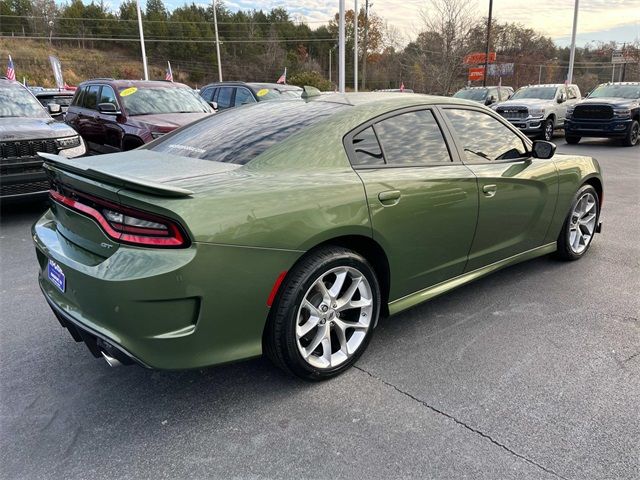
{"points": [[257, 45]]}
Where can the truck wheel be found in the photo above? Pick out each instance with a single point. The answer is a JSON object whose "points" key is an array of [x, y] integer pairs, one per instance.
{"points": [[572, 140], [547, 130], [632, 135]]}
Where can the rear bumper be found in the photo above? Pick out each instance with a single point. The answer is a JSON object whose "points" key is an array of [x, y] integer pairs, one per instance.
{"points": [[167, 309], [95, 342], [597, 128]]}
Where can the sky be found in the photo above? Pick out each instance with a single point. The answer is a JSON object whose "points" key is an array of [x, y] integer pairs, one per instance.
{"points": [[599, 20]]}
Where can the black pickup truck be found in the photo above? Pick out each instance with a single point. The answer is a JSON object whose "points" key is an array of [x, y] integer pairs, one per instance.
{"points": [[611, 110]]}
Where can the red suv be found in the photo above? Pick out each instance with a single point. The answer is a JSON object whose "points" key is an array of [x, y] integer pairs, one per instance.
{"points": [[118, 115]]}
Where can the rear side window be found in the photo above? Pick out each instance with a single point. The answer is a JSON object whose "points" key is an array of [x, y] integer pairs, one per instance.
{"points": [[224, 97], [243, 95], [412, 138], [234, 137], [367, 148], [91, 97], [208, 94], [79, 97]]}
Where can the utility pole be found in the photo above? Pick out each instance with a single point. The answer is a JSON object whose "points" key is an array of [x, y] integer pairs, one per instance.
{"points": [[572, 56], [486, 52], [330, 55], [365, 43], [215, 25], [624, 65], [355, 47], [540, 75], [144, 52], [341, 55]]}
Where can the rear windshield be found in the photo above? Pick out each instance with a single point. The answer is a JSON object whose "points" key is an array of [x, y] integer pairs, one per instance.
{"points": [[62, 100], [238, 135], [477, 94], [616, 91], [150, 101]]}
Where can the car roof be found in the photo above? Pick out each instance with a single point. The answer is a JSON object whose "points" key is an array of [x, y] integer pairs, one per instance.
{"points": [[255, 85], [133, 83], [11, 83], [54, 93], [549, 85]]}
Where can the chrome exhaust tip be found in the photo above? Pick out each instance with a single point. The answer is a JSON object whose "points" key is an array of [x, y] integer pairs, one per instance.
{"points": [[112, 362]]}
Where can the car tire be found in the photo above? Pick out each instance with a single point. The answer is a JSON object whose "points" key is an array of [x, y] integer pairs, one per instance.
{"points": [[633, 135], [547, 130], [580, 225], [313, 331], [572, 140]]}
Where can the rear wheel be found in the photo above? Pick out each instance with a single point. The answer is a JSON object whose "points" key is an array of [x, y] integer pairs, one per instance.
{"points": [[324, 315], [580, 224], [572, 140], [633, 134]]}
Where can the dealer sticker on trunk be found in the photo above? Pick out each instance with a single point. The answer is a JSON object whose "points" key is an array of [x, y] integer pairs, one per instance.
{"points": [[56, 275]]}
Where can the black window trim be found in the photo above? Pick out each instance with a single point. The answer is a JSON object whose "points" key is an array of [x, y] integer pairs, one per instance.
{"points": [[460, 147], [347, 140]]}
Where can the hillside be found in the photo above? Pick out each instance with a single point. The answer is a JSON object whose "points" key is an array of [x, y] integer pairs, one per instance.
{"points": [[31, 59]]}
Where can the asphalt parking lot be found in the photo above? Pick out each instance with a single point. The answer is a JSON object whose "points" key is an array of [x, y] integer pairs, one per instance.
{"points": [[533, 372]]}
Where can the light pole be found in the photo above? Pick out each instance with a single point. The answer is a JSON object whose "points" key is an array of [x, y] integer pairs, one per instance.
{"points": [[341, 72], [355, 48], [572, 56], [486, 52], [144, 52], [215, 25]]}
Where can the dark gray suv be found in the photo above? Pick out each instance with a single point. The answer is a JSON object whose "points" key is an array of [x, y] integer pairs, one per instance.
{"points": [[26, 128]]}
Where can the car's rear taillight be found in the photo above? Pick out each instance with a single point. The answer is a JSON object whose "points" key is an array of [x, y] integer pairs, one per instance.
{"points": [[125, 224]]}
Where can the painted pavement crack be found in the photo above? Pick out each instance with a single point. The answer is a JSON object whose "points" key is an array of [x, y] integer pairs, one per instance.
{"points": [[462, 424]]}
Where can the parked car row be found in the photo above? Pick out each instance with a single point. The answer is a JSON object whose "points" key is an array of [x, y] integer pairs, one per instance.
{"points": [[119, 115]]}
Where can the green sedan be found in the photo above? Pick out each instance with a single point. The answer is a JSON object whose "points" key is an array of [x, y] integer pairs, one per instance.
{"points": [[289, 228]]}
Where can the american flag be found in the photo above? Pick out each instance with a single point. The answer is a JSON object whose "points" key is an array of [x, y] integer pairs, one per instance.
{"points": [[169, 75], [283, 77], [11, 71]]}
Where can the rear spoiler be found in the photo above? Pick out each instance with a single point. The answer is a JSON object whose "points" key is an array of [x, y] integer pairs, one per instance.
{"points": [[124, 181]]}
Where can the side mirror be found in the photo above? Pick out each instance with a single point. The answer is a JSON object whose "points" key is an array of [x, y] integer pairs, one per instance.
{"points": [[562, 98], [108, 109], [214, 105], [543, 149], [54, 109]]}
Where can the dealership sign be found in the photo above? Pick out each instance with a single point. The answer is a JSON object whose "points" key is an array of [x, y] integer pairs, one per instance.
{"points": [[500, 70], [478, 58]]}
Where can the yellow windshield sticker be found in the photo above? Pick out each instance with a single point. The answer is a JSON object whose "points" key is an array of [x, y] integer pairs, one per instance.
{"points": [[263, 92], [128, 91]]}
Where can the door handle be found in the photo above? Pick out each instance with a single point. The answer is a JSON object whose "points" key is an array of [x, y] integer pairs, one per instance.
{"points": [[389, 197], [489, 190]]}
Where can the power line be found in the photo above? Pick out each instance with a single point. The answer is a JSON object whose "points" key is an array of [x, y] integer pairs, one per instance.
{"points": [[167, 40]]}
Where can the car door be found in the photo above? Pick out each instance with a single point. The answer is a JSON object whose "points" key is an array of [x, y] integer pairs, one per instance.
{"points": [[87, 118], [423, 201], [111, 131], [516, 192]]}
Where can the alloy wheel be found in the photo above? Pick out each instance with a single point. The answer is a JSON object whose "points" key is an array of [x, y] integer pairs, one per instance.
{"points": [[548, 130], [635, 133], [334, 317], [582, 223]]}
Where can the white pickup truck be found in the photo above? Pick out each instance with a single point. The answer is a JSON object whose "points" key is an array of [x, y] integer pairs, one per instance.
{"points": [[538, 110]]}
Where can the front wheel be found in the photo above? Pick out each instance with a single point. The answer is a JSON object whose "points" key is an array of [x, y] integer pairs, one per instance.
{"points": [[633, 134], [547, 130], [572, 140], [580, 225], [324, 314]]}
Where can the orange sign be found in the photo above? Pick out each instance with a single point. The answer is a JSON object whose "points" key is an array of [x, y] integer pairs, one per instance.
{"points": [[478, 58], [476, 73]]}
